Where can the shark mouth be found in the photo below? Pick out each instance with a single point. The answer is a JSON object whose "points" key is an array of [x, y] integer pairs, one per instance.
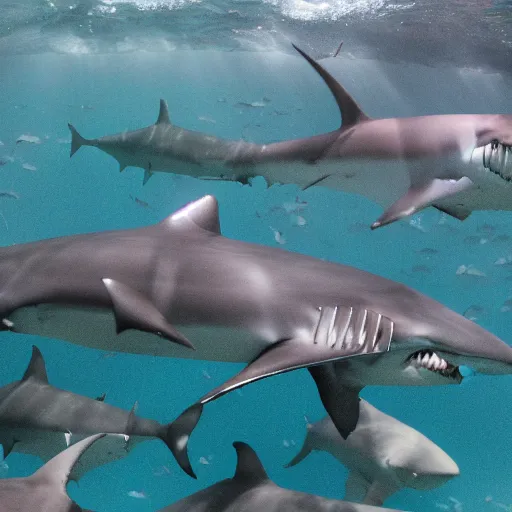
{"points": [[498, 159], [431, 361]]}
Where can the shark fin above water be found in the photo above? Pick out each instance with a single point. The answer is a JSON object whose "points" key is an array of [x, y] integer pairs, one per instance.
{"points": [[340, 333], [350, 111], [420, 196], [134, 311]]}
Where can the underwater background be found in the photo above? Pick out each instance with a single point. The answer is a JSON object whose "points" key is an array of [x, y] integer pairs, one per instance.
{"points": [[104, 66]]}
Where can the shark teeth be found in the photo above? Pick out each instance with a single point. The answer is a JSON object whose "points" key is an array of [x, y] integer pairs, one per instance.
{"points": [[498, 159], [431, 361]]}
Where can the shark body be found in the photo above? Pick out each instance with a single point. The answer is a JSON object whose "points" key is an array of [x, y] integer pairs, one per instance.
{"points": [[163, 289], [251, 490], [457, 162], [45, 490], [382, 454], [41, 420]]}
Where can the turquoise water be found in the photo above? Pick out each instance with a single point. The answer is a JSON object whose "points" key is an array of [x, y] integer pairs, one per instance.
{"points": [[104, 94]]}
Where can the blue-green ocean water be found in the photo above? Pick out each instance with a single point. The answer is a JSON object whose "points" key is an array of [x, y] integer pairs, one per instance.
{"points": [[102, 94]]}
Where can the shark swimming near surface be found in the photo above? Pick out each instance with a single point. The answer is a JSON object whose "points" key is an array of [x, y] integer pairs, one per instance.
{"points": [[41, 420], [45, 490], [162, 289], [457, 163], [382, 454], [251, 490]]}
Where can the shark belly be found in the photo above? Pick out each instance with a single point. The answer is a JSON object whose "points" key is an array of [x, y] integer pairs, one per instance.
{"points": [[96, 328]]}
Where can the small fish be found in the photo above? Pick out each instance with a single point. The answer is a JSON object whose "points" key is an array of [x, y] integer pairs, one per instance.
{"points": [[203, 461], [278, 236], [422, 269], [427, 251], [474, 312], [140, 202], [32, 139], [253, 104], [470, 270], [504, 260], [137, 494], [29, 167], [487, 228], [8, 193], [63, 141], [207, 119]]}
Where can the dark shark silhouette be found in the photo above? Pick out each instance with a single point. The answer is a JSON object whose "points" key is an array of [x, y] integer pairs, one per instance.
{"points": [[457, 163]]}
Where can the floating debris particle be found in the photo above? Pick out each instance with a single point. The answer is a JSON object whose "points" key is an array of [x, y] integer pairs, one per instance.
{"points": [[470, 270], [278, 236], [9, 193], [29, 167], [483, 241], [416, 223], [206, 375], [203, 461], [286, 444], [32, 139], [63, 141], [298, 220], [1, 143], [137, 494]]}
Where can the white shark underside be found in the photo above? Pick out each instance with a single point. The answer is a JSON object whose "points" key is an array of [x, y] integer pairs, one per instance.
{"points": [[457, 163], [181, 281], [382, 455]]}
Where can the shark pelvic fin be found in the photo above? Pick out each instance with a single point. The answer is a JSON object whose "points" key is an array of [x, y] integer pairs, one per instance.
{"points": [[456, 211], [8, 446], [249, 468], [203, 213], [341, 333], [36, 368], [350, 111], [163, 115], [356, 487], [58, 470], [421, 196], [134, 311]]}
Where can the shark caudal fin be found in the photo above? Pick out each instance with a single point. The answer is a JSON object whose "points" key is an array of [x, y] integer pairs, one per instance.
{"points": [[304, 451], [177, 434], [77, 141]]}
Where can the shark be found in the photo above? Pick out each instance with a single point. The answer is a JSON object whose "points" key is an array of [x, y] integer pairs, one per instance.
{"points": [[457, 163], [382, 454], [251, 490], [179, 288], [41, 420], [45, 490]]}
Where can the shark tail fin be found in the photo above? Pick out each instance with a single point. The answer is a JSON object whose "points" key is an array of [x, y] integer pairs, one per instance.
{"points": [[177, 434], [304, 451], [77, 141]]}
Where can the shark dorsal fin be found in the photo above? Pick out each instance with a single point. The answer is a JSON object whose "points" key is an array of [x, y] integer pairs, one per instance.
{"points": [[163, 115], [350, 111], [203, 213], [36, 368], [249, 467], [57, 471]]}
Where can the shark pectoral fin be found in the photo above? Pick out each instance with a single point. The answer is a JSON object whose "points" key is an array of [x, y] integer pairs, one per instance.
{"points": [[350, 111], [304, 452], [420, 196], [147, 175], [356, 487], [101, 398], [340, 402], [36, 368], [456, 211], [130, 426], [340, 333], [378, 493], [134, 311], [58, 470], [8, 446]]}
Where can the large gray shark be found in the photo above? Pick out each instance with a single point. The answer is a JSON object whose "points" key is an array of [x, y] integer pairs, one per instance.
{"points": [[457, 163], [41, 420], [45, 490], [383, 455], [134, 290], [251, 490]]}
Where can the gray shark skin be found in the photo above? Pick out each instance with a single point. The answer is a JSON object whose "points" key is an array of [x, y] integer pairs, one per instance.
{"points": [[251, 490], [274, 309], [382, 454], [41, 420], [45, 490], [456, 163]]}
